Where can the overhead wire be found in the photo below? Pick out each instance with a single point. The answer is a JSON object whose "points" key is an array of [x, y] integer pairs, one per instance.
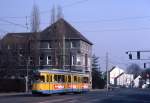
{"points": [[24, 17], [107, 30], [10, 22], [67, 5], [2, 30], [112, 20], [88, 21]]}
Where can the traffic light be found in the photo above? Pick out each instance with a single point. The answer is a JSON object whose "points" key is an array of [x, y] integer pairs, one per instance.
{"points": [[144, 65], [138, 54], [130, 56]]}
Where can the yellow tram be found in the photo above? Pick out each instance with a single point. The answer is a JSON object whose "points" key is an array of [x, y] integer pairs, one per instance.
{"points": [[59, 81]]}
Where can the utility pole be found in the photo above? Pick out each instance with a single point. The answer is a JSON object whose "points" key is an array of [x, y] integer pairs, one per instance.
{"points": [[107, 85], [64, 54], [27, 23], [27, 60], [27, 74]]}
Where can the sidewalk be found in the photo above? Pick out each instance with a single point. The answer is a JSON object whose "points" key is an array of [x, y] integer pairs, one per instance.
{"points": [[13, 93], [98, 90]]}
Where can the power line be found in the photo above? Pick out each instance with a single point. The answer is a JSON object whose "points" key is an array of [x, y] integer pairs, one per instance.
{"points": [[68, 5], [2, 30], [75, 3], [6, 21], [132, 29], [13, 17], [96, 21], [112, 20]]}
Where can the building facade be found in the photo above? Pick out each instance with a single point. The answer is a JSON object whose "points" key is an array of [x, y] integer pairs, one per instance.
{"points": [[124, 80], [113, 73], [59, 46], [137, 81]]}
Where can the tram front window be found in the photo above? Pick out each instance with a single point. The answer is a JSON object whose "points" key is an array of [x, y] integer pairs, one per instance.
{"points": [[40, 78], [85, 79]]}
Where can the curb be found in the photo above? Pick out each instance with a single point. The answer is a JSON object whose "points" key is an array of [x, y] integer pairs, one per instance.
{"points": [[13, 94]]}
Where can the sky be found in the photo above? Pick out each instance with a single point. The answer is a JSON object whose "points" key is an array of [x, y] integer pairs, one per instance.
{"points": [[114, 26]]}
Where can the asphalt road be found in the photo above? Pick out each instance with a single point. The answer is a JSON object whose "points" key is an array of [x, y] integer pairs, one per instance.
{"points": [[97, 96]]}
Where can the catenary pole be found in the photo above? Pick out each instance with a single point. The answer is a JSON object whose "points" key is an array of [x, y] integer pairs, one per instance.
{"points": [[107, 85]]}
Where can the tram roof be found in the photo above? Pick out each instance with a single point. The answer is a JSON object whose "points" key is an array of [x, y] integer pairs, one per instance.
{"points": [[58, 71]]}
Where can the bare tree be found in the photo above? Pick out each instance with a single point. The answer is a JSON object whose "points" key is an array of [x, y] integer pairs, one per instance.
{"points": [[53, 15], [59, 13], [35, 19], [35, 28], [60, 35], [56, 14], [134, 69]]}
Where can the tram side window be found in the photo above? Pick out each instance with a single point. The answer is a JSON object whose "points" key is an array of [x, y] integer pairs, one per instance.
{"points": [[63, 78], [85, 79], [79, 80], [66, 79], [56, 78], [47, 78], [69, 78], [59, 78], [75, 78], [41, 79], [50, 78]]}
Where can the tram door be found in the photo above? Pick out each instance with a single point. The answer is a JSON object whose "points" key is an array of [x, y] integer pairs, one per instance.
{"points": [[69, 83], [48, 83], [66, 84]]}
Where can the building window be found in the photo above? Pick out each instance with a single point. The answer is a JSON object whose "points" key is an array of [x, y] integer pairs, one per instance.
{"points": [[49, 45], [8, 46], [86, 60], [41, 60], [73, 60], [89, 61], [49, 60], [73, 44], [30, 60], [78, 60], [45, 45]]}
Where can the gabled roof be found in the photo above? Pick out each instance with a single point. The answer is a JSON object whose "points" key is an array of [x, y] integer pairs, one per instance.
{"points": [[112, 68], [17, 35], [60, 27], [65, 28], [119, 75]]}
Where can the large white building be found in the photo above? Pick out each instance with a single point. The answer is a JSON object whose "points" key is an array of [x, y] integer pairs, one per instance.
{"points": [[113, 73], [124, 80], [118, 77], [136, 81]]}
